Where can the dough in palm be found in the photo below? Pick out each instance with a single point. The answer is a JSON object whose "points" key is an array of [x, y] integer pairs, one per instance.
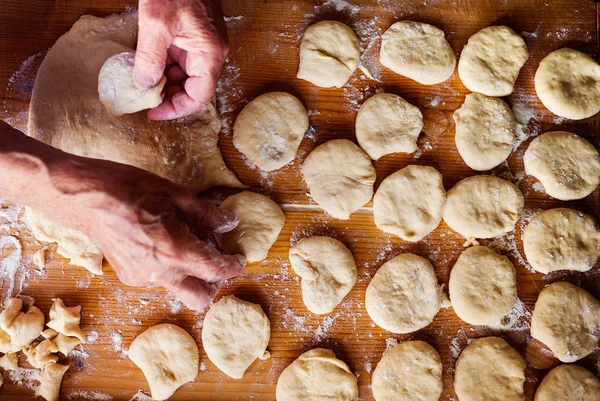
{"points": [[569, 383]]}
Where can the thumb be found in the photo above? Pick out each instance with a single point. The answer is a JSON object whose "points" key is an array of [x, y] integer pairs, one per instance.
{"points": [[154, 40], [194, 293], [206, 216]]}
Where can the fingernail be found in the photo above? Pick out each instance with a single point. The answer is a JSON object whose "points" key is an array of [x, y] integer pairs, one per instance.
{"points": [[241, 259]]}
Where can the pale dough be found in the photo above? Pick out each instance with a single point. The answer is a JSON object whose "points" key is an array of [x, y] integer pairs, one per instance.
{"points": [[409, 203], [386, 124], [66, 320], [340, 177], [567, 165], [317, 375], [562, 239], [9, 361], [65, 344], [329, 54], [50, 381], [566, 319], [260, 222], [234, 334], [485, 131], [418, 51], [269, 129], [40, 354], [19, 328], [410, 371], [327, 269], [569, 383]]}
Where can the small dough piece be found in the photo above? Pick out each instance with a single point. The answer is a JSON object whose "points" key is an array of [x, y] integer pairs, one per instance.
{"points": [[482, 286], [340, 177], [491, 60], [485, 131], [404, 295], [410, 371], [386, 124], [418, 51], [317, 375], [49, 334], [489, 369], [566, 319], [410, 202], [66, 320], [40, 354], [483, 207], [234, 334], [562, 239], [50, 381], [168, 356], [260, 222], [327, 269], [9, 361], [569, 383], [568, 84], [329, 54], [567, 165], [22, 328], [65, 344]]}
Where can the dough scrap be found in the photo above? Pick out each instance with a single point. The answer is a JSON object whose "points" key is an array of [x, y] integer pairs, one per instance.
{"points": [[50, 381], [9, 361], [65, 344], [40, 354], [49, 334], [66, 320], [327, 269], [22, 328], [569, 383]]}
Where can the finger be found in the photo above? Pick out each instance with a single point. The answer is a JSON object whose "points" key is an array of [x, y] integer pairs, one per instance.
{"points": [[204, 215], [176, 74], [207, 263], [194, 293], [151, 54], [198, 93]]}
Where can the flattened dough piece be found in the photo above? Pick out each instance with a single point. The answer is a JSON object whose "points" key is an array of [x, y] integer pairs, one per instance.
{"points": [[317, 375], [269, 130], [50, 381], [340, 177], [329, 54], [327, 269], [569, 383], [66, 320], [567, 165], [234, 334], [566, 319], [22, 328], [418, 51], [260, 222]]}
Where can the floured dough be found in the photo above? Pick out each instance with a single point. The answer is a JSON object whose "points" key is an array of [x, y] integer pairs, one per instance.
{"points": [[40, 354], [18, 327], [234, 334], [327, 269], [260, 222], [386, 124], [317, 375], [9, 361], [340, 177], [66, 320], [410, 371], [569, 383], [269, 130], [50, 381], [567, 165], [329, 54]]}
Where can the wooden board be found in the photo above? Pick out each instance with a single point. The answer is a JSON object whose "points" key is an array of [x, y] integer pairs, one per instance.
{"points": [[264, 40]]}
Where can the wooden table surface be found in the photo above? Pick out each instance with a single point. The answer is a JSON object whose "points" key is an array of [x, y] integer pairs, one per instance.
{"points": [[264, 40]]}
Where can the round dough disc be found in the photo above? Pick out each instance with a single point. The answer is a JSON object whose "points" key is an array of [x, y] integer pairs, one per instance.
{"points": [[404, 295], [483, 207], [410, 202], [567, 165], [411, 371], [329, 54], [562, 239], [340, 177], [490, 62], [386, 124], [234, 334], [269, 129], [483, 286], [566, 319], [418, 51], [569, 383], [485, 131], [328, 272]]}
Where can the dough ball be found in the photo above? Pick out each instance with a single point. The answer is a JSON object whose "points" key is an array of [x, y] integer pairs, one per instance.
{"points": [[386, 124], [490, 62], [489, 368], [567, 165], [562, 239], [327, 269], [485, 131], [409, 203], [340, 177], [168, 356], [260, 222], [569, 383], [483, 207], [329, 54], [568, 84], [315, 376], [418, 51], [483, 286], [269, 129], [410, 371], [234, 334], [117, 90], [404, 295], [566, 319]]}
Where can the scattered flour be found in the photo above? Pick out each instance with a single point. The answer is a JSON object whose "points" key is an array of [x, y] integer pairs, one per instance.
{"points": [[202, 367], [88, 395], [517, 320], [92, 337], [140, 396], [25, 377], [390, 342], [116, 339], [9, 265]]}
